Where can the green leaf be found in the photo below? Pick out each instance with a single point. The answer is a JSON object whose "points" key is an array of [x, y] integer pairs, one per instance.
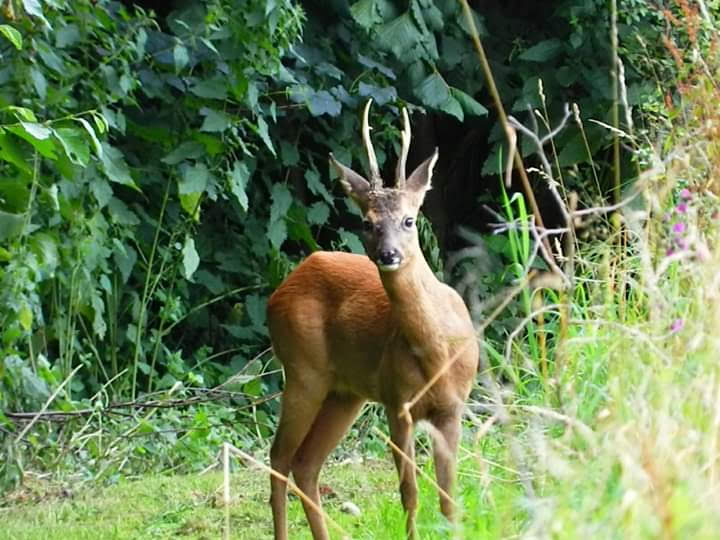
{"points": [[256, 307], [32, 7], [25, 317], [180, 56], [281, 202], [93, 137], [318, 213], [190, 202], [191, 259], [289, 154], [238, 179], [215, 121], [187, 150], [22, 113], [543, 51], [468, 103], [11, 152], [38, 131], [125, 258], [323, 102], [120, 213], [365, 13], [277, 233], [99, 326], [39, 82], [210, 89], [12, 35], [433, 91], [380, 95], [351, 241], [38, 136], [74, 143], [193, 179], [452, 106], [115, 167], [312, 177], [399, 35], [262, 130]]}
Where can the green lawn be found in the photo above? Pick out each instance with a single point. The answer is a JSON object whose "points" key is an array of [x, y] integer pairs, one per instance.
{"points": [[191, 507]]}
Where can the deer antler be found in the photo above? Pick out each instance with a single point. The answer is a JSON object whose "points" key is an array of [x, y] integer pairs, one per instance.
{"points": [[375, 179], [406, 135]]}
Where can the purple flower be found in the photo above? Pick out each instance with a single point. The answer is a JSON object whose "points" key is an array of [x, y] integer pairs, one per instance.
{"points": [[679, 228], [677, 325], [685, 194], [681, 208]]}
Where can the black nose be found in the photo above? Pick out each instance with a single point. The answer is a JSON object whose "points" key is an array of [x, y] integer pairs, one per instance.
{"points": [[389, 257]]}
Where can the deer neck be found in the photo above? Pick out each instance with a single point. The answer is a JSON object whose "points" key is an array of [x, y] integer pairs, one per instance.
{"points": [[415, 302]]}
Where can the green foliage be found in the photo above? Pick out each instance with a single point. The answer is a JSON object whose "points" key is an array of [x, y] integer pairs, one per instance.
{"points": [[159, 177]]}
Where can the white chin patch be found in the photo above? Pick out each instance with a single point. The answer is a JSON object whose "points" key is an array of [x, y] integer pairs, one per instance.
{"points": [[388, 267]]}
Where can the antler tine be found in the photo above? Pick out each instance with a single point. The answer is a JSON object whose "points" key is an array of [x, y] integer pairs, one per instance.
{"points": [[375, 180], [402, 160]]}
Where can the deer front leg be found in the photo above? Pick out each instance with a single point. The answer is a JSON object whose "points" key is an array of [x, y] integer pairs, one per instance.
{"points": [[445, 446], [401, 434]]}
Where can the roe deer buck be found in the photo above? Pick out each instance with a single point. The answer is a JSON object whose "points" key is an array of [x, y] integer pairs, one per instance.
{"points": [[348, 328]]}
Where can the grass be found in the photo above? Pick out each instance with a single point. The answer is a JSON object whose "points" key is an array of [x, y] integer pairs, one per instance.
{"points": [[190, 506]]}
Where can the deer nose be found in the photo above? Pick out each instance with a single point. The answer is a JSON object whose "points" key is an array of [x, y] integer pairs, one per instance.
{"points": [[389, 257]]}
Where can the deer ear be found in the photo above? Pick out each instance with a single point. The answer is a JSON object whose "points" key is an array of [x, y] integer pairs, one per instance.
{"points": [[419, 180], [356, 187]]}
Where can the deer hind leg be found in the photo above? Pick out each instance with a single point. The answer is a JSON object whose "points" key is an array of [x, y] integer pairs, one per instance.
{"points": [[299, 409], [401, 434], [445, 447], [332, 421]]}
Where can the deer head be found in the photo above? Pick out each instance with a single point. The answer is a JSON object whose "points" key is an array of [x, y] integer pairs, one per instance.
{"points": [[389, 213]]}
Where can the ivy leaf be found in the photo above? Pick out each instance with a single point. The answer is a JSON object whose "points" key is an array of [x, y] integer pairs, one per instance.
{"points": [[468, 103], [543, 51], [12, 35], [238, 178], [115, 167], [289, 154], [74, 143], [190, 259], [433, 91], [25, 317]]}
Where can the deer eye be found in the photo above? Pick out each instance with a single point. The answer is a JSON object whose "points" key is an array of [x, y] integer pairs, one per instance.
{"points": [[367, 225], [408, 222]]}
